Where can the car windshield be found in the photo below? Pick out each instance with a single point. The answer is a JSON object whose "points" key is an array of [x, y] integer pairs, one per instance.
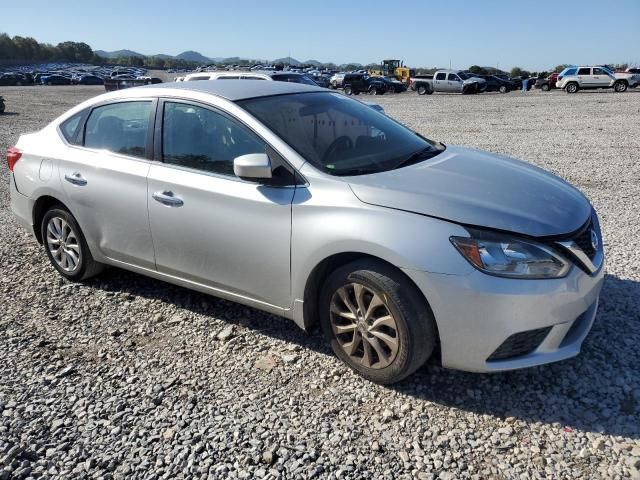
{"points": [[339, 135], [463, 75]]}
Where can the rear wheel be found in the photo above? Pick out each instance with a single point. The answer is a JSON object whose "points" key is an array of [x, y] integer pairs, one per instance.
{"points": [[373, 91], [620, 86], [376, 321], [348, 90], [66, 246], [545, 87], [503, 89], [572, 87], [422, 90]]}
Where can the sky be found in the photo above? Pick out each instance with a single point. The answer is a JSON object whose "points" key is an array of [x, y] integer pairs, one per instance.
{"points": [[535, 35]]}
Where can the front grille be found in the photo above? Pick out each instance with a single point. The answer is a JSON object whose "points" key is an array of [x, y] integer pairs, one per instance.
{"points": [[583, 240], [519, 344]]}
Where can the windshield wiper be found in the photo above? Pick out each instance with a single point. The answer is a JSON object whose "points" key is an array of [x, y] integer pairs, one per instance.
{"points": [[356, 171], [415, 157]]}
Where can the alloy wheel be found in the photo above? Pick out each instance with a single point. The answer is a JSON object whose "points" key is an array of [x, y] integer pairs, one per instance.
{"points": [[364, 327], [63, 244]]}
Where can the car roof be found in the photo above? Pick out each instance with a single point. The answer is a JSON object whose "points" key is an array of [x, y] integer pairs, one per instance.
{"points": [[235, 90]]}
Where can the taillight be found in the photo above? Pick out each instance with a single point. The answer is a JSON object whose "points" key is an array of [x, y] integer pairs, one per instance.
{"points": [[13, 155]]}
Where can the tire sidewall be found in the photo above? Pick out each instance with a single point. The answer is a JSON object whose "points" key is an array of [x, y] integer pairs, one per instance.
{"points": [[422, 90], [572, 88], [409, 339], [620, 87], [348, 90], [84, 249]]}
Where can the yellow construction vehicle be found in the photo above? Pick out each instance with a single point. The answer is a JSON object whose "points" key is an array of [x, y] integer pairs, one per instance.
{"points": [[393, 68]]}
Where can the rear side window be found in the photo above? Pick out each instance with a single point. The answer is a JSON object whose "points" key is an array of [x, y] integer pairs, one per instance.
{"points": [[569, 71], [119, 127], [441, 76], [584, 71], [69, 128]]}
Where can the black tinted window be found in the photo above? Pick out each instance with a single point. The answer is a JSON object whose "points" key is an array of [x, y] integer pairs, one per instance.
{"points": [[584, 71], [200, 138], [69, 128], [441, 76], [119, 128]]}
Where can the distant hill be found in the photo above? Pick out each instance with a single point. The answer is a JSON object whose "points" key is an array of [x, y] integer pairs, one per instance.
{"points": [[288, 60], [191, 56], [118, 53]]}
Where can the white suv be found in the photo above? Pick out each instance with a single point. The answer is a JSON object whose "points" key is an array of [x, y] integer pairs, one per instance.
{"points": [[573, 79]]}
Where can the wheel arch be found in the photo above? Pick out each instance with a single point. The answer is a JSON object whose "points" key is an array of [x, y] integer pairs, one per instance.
{"points": [[325, 267], [40, 207]]}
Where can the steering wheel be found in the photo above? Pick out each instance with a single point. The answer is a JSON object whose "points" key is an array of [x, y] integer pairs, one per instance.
{"points": [[340, 143]]}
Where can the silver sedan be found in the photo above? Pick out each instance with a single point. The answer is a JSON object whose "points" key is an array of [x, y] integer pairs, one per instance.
{"points": [[307, 204]]}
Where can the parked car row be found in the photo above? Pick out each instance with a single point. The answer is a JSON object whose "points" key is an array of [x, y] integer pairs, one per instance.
{"points": [[61, 74]]}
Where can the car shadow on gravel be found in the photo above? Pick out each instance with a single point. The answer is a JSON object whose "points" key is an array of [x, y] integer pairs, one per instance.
{"points": [[598, 391]]}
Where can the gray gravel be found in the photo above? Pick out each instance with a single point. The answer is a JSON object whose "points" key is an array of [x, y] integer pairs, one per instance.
{"points": [[127, 377]]}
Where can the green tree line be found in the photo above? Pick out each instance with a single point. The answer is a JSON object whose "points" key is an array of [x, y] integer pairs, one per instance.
{"points": [[28, 49]]}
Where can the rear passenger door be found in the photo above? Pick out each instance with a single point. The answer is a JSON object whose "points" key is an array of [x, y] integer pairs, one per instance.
{"points": [[104, 176], [585, 77], [440, 82]]}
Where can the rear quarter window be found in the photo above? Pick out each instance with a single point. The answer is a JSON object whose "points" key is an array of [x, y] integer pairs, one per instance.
{"points": [[569, 71], [70, 127]]}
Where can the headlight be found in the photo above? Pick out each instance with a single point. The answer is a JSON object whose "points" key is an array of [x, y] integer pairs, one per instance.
{"points": [[505, 256]]}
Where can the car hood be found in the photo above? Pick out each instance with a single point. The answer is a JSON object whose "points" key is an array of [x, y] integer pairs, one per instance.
{"points": [[481, 189]]}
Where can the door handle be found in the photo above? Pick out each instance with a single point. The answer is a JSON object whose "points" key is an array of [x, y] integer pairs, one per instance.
{"points": [[168, 198], [76, 178]]}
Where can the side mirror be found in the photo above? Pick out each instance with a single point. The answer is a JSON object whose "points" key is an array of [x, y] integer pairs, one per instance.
{"points": [[253, 166]]}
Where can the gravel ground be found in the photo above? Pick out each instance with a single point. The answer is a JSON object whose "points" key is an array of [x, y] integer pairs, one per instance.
{"points": [[127, 377]]}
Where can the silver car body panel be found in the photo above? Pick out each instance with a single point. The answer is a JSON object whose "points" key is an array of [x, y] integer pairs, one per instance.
{"points": [[482, 189], [259, 245]]}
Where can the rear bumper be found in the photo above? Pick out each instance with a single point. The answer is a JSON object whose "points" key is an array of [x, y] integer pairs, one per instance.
{"points": [[21, 206], [479, 316]]}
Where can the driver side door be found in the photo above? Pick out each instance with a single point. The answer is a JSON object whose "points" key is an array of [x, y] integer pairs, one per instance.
{"points": [[209, 226]]}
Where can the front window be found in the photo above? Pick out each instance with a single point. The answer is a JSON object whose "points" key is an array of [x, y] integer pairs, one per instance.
{"points": [[339, 135], [203, 139], [463, 75]]}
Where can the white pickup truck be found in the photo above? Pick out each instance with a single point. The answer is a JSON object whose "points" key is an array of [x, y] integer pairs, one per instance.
{"points": [[572, 79], [449, 81]]}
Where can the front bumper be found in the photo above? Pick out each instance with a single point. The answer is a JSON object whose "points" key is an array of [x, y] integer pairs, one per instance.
{"points": [[477, 314]]}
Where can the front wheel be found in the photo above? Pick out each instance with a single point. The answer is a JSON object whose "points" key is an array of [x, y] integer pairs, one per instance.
{"points": [[545, 87], [348, 90], [503, 89], [620, 86], [373, 91], [377, 321], [422, 90], [66, 246]]}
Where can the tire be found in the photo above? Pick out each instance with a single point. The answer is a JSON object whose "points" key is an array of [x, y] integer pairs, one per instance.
{"points": [[545, 87], [620, 86], [58, 224], [410, 340], [503, 89], [373, 91], [572, 87], [422, 89], [348, 90]]}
